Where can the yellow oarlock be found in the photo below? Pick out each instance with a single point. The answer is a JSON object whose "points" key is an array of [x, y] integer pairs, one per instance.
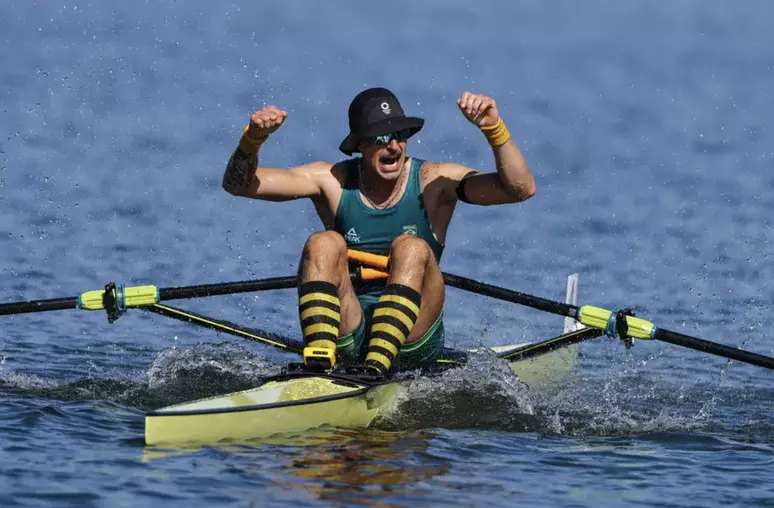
{"points": [[596, 317], [135, 296]]}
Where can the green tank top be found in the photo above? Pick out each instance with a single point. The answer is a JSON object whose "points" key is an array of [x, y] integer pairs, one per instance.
{"points": [[371, 230]]}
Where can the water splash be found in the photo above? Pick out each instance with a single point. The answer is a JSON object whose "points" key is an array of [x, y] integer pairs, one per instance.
{"points": [[622, 403], [485, 393], [176, 375], [179, 375]]}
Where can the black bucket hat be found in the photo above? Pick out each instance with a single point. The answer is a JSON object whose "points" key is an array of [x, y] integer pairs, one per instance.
{"points": [[374, 112]]}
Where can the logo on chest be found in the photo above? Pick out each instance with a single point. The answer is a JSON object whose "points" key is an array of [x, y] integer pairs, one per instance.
{"points": [[352, 236], [410, 230]]}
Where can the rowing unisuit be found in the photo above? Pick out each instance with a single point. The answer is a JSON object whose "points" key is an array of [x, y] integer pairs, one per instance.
{"points": [[373, 230]]}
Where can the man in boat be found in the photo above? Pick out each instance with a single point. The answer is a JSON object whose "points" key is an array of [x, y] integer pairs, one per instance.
{"points": [[382, 202]]}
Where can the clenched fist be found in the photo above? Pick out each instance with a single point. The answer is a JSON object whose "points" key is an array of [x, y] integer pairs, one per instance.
{"points": [[480, 110], [265, 121]]}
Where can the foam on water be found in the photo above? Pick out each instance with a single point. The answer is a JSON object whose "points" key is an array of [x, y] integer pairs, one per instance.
{"points": [[183, 374], [482, 394]]}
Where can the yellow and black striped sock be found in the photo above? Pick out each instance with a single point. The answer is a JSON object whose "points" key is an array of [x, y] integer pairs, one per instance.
{"points": [[320, 312], [394, 316]]}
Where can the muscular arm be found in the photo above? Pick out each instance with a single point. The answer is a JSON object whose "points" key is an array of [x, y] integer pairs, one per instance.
{"points": [[243, 177], [511, 183]]}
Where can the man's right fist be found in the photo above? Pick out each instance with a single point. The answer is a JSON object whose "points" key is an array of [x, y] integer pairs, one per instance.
{"points": [[265, 121]]}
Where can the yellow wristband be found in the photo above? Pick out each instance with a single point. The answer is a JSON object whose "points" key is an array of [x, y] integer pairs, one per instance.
{"points": [[248, 144], [497, 134]]}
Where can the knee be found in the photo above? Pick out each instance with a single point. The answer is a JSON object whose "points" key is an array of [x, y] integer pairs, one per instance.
{"points": [[325, 243], [410, 246]]}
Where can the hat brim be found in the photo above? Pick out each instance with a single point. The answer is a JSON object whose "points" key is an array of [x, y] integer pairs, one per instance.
{"points": [[349, 145]]}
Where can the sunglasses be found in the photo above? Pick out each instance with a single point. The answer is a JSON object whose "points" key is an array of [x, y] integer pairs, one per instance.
{"points": [[385, 139]]}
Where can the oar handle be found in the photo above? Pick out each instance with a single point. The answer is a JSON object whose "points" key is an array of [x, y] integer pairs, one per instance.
{"points": [[372, 274], [368, 258]]}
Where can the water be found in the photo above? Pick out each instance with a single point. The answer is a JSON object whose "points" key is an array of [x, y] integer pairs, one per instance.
{"points": [[647, 126]]}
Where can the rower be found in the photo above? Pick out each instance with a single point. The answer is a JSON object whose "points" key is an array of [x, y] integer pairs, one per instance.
{"points": [[382, 202]]}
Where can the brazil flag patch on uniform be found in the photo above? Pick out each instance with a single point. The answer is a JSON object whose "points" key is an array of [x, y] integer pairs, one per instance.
{"points": [[410, 230]]}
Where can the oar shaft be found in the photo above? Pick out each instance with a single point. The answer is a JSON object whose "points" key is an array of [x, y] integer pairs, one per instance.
{"points": [[262, 336], [38, 306], [227, 288], [508, 295], [714, 348]]}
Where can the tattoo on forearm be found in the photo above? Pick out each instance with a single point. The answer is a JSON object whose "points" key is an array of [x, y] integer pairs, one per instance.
{"points": [[240, 169]]}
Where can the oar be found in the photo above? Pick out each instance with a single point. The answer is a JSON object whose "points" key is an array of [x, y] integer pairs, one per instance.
{"points": [[603, 319], [137, 296], [116, 299], [588, 315], [118, 296]]}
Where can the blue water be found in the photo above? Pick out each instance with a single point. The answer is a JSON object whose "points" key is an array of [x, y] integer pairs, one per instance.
{"points": [[647, 126]]}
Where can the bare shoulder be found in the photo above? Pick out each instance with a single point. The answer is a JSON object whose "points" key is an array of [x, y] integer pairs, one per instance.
{"points": [[329, 177], [450, 172], [314, 169]]}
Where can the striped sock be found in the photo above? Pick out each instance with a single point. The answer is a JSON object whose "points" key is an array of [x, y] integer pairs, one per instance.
{"points": [[319, 309], [394, 316]]}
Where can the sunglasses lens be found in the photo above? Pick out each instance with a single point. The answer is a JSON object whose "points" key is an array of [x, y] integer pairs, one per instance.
{"points": [[402, 135], [384, 139]]}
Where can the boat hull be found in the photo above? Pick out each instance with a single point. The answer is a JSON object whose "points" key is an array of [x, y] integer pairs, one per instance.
{"points": [[293, 404], [282, 405]]}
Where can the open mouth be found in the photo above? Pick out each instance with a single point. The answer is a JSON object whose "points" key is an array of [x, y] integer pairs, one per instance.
{"points": [[389, 162]]}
